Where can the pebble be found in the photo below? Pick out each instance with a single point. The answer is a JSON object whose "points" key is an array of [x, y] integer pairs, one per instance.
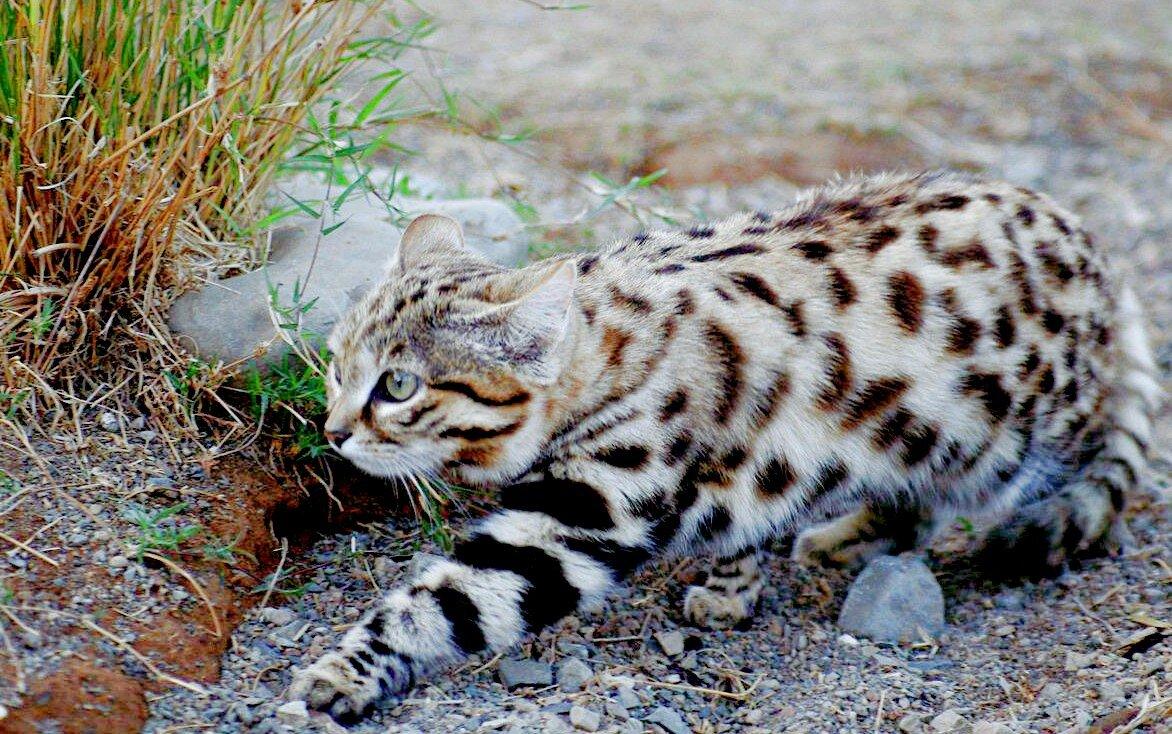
{"points": [[951, 722], [991, 727], [617, 710], [894, 599], [277, 616], [672, 642], [585, 719], [628, 698], [517, 673], [669, 719], [293, 713], [631, 726], [118, 562], [1078, 661], [108, 421], [573, 674], [911, 724]]}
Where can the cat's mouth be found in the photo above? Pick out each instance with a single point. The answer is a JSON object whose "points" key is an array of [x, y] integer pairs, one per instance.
{"points": [[396, 463]]}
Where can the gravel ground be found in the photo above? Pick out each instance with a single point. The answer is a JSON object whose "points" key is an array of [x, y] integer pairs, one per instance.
{"points": [[1073, 98]]}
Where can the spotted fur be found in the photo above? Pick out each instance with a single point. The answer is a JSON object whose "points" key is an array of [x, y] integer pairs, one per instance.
{"points": [[884, 349]]}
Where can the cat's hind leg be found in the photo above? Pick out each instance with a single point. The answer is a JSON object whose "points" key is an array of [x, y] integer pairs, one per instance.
{"points": [[853, 539], [729, 595]]}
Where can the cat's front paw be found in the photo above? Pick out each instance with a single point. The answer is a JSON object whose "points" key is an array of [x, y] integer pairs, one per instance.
{"points": [[711, 609], [345, 687]]}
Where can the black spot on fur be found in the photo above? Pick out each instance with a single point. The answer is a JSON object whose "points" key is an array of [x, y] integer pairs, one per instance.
{"points": [[829, 478], [918, 444], [927, 236], [892, 429], [842, 289], [906, 298], [621, 559], [678, 448], [586, 264], [795, 314], [756, 287], [700, 233], [879, 238], [623, 457], [548, 597], [1025, 215], [676, 402], [775, 477], [1004, 330], [1053, 321], [815, 250], [747, 248], [987, 388], [731, 364], [839, 374], [716, 521], [668, 269], [573, 504], [875, 396], [464, 617], [963, 335]]}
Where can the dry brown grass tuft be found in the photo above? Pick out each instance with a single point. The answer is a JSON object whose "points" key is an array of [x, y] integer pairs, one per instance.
{"points": [[136, 141]]}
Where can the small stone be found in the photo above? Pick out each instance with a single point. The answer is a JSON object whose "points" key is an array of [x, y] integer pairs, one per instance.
{"points": [[1004, 630], [293, 713], [950, 722], [1078, 661], [848, 640], [669, 719], [632, 726], [573, 674], [1111, 691], [991, 727], [584, 718], [277, 616], [672, 642], [911, 724], [3, 712], [138, 423], [627, 697], [118, 562], [518, 673], [148, 436], [1051, 692], [108, 421], [616, 710], [894, 599]]}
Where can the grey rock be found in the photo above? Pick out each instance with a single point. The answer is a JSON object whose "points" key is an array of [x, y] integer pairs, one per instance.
{"points": [[672, 642], [518, 673], [293, 713], [617, 710], [991, 727], [230, 319], [894, 599], [573, 674], [627, 697], [277, 615], [108, 421], [669, 719], [584, 718], [631, 726], [950, 722]]}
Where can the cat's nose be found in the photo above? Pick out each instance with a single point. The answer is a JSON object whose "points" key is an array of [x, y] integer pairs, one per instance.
{"points": [[337, 438]]}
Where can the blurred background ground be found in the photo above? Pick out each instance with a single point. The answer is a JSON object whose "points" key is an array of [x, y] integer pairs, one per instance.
{"points": [[742, 103]]}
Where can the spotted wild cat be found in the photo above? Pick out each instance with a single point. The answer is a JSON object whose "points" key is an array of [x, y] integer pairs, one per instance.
{"points": [[885, 348]]}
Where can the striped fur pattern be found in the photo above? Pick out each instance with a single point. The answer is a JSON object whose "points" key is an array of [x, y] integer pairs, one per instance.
{"points": [[885, 349]]}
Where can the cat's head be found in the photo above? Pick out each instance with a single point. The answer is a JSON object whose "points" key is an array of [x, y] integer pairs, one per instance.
{"points": [[447, 366]]}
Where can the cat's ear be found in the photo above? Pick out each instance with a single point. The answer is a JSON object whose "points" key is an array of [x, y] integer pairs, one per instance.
{"points": [[532, 327], [427, 235]]}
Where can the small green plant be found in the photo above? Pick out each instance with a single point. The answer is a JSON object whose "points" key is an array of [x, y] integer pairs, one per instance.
{"points": [[6, 595], [161, 530], [42, 322], [8, 484], [187, 383], [10, 402], [965, 525]]}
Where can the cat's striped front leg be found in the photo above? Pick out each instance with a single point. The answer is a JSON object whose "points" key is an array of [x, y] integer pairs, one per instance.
{"points": [[518, 573]]}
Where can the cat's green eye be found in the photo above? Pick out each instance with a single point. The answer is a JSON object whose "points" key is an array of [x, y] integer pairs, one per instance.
{"points": [[397, 386]]}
